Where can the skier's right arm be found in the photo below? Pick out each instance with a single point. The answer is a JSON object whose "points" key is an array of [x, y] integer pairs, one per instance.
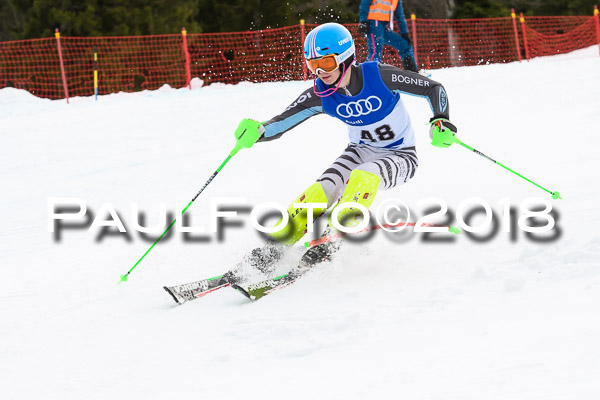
{"points": [[304, 107]]}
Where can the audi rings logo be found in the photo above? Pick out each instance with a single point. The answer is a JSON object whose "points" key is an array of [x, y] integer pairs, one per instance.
{"points": [[360, 107]]}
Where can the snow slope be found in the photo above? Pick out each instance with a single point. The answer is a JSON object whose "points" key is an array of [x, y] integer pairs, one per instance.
{"points": [[388, 318]]}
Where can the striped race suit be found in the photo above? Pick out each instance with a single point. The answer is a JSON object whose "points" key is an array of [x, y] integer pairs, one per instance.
{"points": [[382, 139]]}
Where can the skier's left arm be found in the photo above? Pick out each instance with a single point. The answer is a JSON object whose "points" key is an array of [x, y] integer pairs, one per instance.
{"points": [[400, 81]]}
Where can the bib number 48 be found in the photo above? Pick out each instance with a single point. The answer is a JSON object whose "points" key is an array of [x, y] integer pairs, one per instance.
{"points": [[384, 132]]}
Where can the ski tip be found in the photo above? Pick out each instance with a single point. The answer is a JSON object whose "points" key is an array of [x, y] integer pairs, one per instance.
{"points": [[123, 279], [172, 295]]}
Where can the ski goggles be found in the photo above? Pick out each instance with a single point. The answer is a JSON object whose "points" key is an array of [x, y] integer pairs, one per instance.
{"points": [[328, 63]]}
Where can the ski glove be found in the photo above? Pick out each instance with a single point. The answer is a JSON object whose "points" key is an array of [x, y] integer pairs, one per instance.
{"points": [[441, 132], [248, 132], [363, 28]]}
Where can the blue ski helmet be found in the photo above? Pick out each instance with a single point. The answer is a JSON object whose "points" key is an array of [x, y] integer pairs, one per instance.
{"points": [[330, 38]]}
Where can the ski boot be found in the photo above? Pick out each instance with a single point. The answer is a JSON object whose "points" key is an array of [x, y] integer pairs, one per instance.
{"points": [[262, 259]]}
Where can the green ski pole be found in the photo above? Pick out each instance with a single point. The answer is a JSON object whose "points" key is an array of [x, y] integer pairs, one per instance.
{"points": [[446, 138], [555, 194], [246, 135]]}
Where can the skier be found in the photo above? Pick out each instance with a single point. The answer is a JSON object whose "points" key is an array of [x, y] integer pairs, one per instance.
{"points": [[376, 22], [381, 153]]}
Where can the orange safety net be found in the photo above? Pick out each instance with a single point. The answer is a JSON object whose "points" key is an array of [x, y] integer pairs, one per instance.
{"points": [[256, 56], [124, 64], [147, 62], [547, 36], [460, 42]]}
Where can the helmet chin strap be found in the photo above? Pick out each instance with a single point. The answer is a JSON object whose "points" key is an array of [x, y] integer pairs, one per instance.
{"points": [[330, 91]]}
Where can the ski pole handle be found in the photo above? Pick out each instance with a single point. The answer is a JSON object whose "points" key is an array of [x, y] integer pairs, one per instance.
{"points": [[247, 133]]}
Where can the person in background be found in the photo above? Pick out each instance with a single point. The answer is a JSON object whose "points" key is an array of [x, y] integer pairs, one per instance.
{"points": [[376, 22]]}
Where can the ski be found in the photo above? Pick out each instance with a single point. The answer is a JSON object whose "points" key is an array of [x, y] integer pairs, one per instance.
{"points": [[261, 259], [313, 256], [258, 290], [194, 290]]}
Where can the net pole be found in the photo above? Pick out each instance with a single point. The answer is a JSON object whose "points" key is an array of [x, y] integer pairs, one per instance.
{"points": [[62, 66]]}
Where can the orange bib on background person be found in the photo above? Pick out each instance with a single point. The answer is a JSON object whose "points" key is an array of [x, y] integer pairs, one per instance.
{"points": [[382, 10]]}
